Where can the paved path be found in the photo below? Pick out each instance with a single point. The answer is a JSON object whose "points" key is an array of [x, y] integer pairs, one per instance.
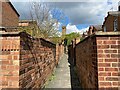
{"points": [[64, 76]]}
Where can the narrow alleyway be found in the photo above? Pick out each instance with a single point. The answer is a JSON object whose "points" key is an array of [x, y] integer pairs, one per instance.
{"points": [[64, 76]]}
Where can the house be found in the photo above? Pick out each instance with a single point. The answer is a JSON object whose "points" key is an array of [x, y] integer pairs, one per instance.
{"points": [[94, 28], [29, 26], [9, 16], [26, 23], [112, 21]]}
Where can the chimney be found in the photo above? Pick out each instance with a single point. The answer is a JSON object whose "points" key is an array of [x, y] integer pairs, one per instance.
{"points": [[119, 6], [63, 30]]}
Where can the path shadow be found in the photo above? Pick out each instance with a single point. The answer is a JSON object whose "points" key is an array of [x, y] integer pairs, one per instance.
{"points": [[75, 83]]}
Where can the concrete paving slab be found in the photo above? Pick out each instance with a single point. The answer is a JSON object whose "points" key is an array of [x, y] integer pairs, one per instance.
{"points": [[64, 76]]}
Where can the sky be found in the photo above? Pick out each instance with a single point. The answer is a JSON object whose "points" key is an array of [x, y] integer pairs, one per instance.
{"points": [[79, 14]]}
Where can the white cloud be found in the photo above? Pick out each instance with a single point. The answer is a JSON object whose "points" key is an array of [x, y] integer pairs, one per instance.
{"points": [[81, 12], [73, 28], [84, 30]]}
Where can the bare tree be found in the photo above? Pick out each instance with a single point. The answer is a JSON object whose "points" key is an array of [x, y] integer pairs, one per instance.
{"points": [[47, 21]]}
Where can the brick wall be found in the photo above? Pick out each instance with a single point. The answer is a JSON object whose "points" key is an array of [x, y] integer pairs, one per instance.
{"points": [[109, 23], [108, 48], [57, 53], [72, 52], [9, 61], [97, 61], [37, 61], [86, 63], [9, 16], [61, 49], [26, 62]]}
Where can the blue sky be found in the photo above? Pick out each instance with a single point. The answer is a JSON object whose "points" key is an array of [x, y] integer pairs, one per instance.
{"points": [[77, 15], [66, 21]]}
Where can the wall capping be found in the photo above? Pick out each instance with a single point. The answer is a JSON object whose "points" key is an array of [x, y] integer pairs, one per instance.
{"points": [[2, 34], [9, 33], [106, 33], [100, 34]]}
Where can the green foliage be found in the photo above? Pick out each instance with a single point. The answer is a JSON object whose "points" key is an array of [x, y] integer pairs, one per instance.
{"points": [[26, 29], [52, 77], [56, 40], [33, 31], [71, 36]]}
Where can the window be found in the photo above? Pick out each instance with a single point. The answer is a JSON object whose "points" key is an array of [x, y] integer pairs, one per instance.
{"points": [[115, 24], [104, 28]]}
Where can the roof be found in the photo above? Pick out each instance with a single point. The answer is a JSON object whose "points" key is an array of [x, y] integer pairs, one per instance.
{"points": [[98, 27], [14, 9], [114, 13], [11, 6]]}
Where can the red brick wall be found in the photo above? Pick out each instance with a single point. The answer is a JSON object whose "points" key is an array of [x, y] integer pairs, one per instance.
{"points": [[9, 61], [109, 23], [72, 52], [26, 62], [9, 17], [86, 63], [58, 53], [108, 48], [37, 61], [97, 61], [61, 49]]}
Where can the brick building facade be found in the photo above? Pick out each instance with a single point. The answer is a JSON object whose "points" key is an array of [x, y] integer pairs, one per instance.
{"points": [[9, 16], [92, 29], [112, 22], [25, 23]]}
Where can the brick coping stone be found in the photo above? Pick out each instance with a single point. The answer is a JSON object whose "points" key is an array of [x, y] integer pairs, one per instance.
{"points": [[107, 33], [9, 33], [100, 34]]}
